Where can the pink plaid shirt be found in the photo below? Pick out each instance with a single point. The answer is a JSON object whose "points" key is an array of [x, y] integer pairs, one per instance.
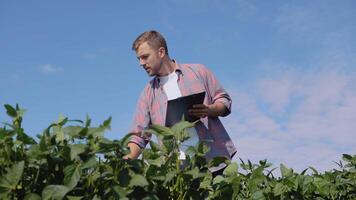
{"points": [[192, 78]]}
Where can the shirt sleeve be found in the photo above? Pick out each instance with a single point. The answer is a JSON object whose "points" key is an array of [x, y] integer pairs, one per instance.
{"points": [[141, 121], [217, 92]]}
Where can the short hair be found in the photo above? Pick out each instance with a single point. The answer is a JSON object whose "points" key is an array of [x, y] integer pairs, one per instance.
{"points": [[153, 38]]}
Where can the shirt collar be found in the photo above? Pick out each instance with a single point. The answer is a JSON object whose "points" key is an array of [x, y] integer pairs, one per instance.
{"points": [[177, 69]]}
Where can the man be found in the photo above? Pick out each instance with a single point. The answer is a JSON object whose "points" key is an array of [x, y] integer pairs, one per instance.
{"points": [[170, 81]]}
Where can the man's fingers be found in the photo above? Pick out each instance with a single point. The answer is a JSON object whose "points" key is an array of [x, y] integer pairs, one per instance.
{"points": [[199, 106], [199, 112]]}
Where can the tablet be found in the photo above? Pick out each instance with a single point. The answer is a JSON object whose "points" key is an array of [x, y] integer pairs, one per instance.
{"points": [[177, 108]]}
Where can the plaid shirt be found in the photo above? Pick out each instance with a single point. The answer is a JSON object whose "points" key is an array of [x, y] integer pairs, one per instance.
{"points": [[192, 78]]}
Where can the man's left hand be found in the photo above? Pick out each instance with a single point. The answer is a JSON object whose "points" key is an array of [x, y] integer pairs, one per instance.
{"points": [[200, 110], [213, 110]]}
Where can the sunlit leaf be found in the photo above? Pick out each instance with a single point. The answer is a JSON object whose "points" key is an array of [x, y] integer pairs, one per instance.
{"points": [[195, 173], [90, 163], [231, 170], [71, 175], [138, 180], [161, 130], [55, 192], [286, 172], [74, 198], [13, 175], [76, 149], [32, 196]]}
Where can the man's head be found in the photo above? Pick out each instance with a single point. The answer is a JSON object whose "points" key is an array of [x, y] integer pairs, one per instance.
{"points": [[151, 50], [153, 38]]}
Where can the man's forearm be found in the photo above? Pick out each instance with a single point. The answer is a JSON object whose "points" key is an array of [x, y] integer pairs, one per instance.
{"points": [[217, 109], [135, 151]]}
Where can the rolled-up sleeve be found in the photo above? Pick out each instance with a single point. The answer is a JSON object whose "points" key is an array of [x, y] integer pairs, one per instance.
{"points": [[139, 140], [141, 121], [217, 91]]}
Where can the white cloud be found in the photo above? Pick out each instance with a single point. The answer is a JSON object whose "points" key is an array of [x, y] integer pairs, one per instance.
{"points": [[50, 69], [277, 93], [314, 124]]}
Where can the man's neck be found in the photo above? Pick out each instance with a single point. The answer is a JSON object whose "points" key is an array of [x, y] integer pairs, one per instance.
{"points": [[169, 66]]}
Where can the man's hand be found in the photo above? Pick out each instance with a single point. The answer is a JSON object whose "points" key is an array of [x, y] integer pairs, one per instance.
{"points": [[214, 110], [135, 151], [199, 110]]}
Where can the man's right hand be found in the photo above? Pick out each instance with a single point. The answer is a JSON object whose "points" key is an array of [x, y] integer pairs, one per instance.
{"points": [[135, 151]]}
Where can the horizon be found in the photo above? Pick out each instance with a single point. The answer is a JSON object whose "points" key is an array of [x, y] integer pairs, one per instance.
{"points": [[290, 68]]}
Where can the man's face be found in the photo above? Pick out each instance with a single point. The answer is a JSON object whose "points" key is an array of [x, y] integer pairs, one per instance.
{"points": [[150, 59]]}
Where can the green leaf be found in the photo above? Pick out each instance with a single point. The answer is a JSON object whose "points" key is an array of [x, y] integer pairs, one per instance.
{"points": [[161, 130], [258, 195], [19, 111], [13, 176], [347, 157], [156, 162], [76, 120], [279, 189], [250, 165], [190, 151], [62, 122], [195, 173], [32, 196], [48, 130], [231, 170], [203, 148], [138, 180], [216, 161], [10, 110], [169, 176], [60, 136], [71, 175], [178, 129], [34, 151], [74, 198], [106, 123], [154, 146], [322, 185], [315, 172], [4, 133], [96, 132], [120, 192], [83, 132], [180, 126], [72, 131], [54, 192], [151, 197], [76, 149], [87, 121], [207, 181], [218, 179], [98, 198], [286, 172], [91, 163], [23, 137]]}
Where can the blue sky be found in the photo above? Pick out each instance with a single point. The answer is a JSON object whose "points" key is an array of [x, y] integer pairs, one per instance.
{"points": [[290, 67]]}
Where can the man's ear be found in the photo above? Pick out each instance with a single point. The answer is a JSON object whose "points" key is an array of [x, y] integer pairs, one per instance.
{"points": [[161, 52]]}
